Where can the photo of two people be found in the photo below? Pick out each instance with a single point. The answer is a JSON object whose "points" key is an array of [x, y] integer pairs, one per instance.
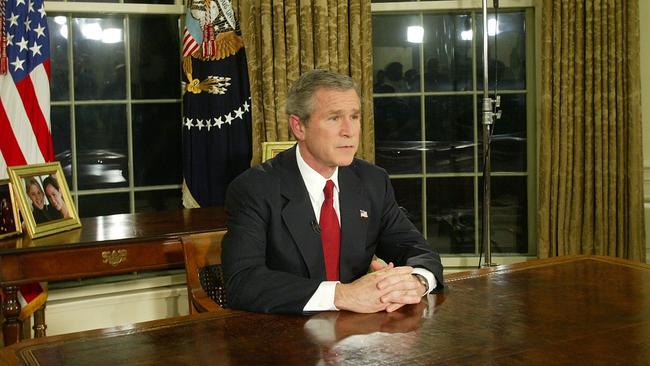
{"points": [[43, 198], [47, 202]]}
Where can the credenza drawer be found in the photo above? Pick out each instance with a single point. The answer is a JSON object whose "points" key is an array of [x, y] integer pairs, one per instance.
{"points": [[90, 261]]}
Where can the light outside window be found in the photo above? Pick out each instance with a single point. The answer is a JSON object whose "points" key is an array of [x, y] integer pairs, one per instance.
{"points": [[116, 105], [428, 123]]}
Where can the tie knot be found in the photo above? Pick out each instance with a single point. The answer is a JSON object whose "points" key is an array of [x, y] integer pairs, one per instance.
{"points": [[329, 189]]}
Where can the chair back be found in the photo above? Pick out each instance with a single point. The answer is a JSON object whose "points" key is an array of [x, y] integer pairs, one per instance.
{"points": [[205, 284], [272, 148]]}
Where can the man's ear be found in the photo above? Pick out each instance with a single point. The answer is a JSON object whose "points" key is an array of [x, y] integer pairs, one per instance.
{"points": [[297, 127]]}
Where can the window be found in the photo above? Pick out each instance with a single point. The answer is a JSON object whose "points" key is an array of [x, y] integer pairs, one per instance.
{"points": [[116, 104], [428, 94]]}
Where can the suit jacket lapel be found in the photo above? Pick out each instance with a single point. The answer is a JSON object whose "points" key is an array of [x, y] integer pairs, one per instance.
{"points": [[298, 215], [353, 201]]}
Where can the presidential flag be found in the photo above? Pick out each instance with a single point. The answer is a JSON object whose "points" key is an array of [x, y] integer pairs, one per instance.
{"points": [[25, 102], [216, 103]]}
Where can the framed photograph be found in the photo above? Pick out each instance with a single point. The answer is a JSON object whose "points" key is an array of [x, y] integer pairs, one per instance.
{"points": [[43, 199], [271, 149], [9, 219]]}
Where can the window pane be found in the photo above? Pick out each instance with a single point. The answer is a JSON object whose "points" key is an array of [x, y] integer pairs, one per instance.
{"points": [[450, 214], [60, 121], [61, 139], [450, 134], [103, 204], [508, 143], [59, 85], [509, 65], [155, 64], [101, 146], [448, 52], [509, 214], [158, 200], [393, 56], [157, 144], [99, 63], [408, 196], [398, 135]]}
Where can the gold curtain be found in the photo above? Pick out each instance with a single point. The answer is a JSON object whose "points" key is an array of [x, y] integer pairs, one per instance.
{"points": [[590, 159], [287, 38]]}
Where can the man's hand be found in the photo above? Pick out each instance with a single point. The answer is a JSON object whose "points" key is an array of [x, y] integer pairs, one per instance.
{"points": [[386, 288], [402, 289]]}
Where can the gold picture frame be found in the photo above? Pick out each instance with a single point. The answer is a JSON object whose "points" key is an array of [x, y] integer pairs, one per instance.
{"points": [[43, 199], [271, 148], [9, 217]]}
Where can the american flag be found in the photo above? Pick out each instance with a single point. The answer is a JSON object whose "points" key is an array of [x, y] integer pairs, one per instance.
{"points": [[25, 102], [25, 87]]}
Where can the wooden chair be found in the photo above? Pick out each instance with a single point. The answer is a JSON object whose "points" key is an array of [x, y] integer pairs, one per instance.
{"points": [[205, 285]]}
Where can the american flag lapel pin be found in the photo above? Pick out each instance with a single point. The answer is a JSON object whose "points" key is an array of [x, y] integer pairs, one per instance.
{"points": [[363, 214]]}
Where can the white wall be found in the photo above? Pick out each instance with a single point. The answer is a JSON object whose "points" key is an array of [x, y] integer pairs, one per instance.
{"points": [[118, 303], [644, 15]]}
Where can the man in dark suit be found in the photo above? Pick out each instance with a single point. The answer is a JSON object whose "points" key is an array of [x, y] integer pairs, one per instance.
{"points": [[293, 246]]}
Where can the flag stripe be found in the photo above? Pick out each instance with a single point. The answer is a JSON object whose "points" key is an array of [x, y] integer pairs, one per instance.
{"points": [[41, 82], [9, 147], [17, 117], [189, 44], [189, 49], [46, 66], [29, 292], [36, 118]]}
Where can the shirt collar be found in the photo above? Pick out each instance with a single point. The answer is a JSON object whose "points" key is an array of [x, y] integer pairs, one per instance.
{"points": [[313, 180]]}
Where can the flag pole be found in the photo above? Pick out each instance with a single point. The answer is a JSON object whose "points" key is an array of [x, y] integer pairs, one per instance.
{"points": [[488, 123]]}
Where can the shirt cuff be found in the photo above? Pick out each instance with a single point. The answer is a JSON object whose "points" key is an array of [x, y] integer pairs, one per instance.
{"points": [[323, 298], [431, 280]]}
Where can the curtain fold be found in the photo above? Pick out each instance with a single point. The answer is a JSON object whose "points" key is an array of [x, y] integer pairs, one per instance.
{"points": [[590, 183], [287, 38]]}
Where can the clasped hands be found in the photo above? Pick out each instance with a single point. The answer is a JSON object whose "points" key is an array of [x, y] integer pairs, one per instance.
{"points": [[386, 288]]}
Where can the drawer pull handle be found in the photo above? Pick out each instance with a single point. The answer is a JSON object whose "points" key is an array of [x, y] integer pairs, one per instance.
{"points": [[115, 257]]}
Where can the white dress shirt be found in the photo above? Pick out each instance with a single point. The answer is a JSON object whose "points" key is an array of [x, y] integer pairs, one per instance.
{"points": [[323, 298]]}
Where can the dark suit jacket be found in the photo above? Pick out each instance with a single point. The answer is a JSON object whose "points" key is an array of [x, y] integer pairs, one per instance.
{"points": [[272, 254]]}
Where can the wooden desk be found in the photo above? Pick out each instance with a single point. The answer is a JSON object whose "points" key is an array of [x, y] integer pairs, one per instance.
{"points": [[104, 245], [569, 310]]}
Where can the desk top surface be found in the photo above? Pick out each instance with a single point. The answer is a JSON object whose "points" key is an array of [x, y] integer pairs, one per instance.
{"points": [[123, 228], [567, 310]]}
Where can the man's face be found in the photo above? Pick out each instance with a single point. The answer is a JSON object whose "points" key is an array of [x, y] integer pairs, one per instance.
{"points": [[36, 195], [331, 136]]}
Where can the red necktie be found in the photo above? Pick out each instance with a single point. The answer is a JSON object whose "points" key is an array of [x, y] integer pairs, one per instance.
{"points": [[330, 233]]}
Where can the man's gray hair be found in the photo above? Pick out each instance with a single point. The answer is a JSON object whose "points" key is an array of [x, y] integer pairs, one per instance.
{"points": [[300, 99]]}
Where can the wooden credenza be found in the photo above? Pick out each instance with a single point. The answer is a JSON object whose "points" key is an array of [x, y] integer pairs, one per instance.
{"points": [[104, 245]]}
